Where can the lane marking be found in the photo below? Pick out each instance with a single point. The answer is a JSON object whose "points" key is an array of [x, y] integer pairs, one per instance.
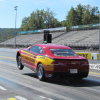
{"points": [[2, 88], [94, 73], [11, 99], [8, 99], [42, 97], [8, 57], [45, 97], [20, 98], [16, 98]]}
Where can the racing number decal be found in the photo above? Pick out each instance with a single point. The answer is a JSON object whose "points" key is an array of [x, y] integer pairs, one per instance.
{"points": [[30, 59]]}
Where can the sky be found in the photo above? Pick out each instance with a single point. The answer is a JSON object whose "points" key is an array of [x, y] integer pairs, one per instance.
{"points": [[26, 7]]}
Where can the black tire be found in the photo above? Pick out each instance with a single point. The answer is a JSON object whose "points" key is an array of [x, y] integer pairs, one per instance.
{"points": [[40, 72], [19, 63]]}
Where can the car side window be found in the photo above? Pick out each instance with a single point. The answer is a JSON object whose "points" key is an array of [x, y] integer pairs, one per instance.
{"points": [[36, 49]]}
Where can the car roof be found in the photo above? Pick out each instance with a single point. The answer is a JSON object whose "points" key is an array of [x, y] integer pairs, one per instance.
{"points": [[54, 46]]}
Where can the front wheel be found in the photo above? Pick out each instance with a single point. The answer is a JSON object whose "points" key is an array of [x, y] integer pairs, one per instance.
{"points": [[19, 63], [40, 72]]}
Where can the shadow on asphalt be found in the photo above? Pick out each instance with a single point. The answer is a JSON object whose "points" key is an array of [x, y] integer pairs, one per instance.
{"points": [[85, 82]]}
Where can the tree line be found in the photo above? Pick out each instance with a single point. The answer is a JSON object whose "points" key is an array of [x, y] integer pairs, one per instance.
{"points": [[8, 33], [82, 15], [41, 19]]}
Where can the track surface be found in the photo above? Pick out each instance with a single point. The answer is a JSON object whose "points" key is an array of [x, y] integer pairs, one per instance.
{"points": [[24, 85]]}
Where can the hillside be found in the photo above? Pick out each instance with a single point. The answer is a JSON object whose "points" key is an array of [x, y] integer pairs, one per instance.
{"points": [[7, 33]]}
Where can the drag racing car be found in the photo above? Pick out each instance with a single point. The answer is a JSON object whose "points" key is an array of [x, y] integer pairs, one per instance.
{"points": [[51, 60]]}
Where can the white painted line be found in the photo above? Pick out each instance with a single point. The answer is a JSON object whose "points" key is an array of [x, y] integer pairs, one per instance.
{"points": [[94, 75], [50, 99], [20, 98], [45, 97], [42, 97], [2, 88]]}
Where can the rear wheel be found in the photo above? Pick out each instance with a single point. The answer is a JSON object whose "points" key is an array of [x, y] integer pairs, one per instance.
{"points": [[40, 72], [19, 63]]}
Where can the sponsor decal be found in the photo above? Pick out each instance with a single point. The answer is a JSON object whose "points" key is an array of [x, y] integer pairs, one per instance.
{"points": [[85, 26], [86, 55], [98, 56], [28, 58], [41, 57]]}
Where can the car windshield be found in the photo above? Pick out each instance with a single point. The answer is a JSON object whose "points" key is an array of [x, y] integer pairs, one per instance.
{"points": [[62, 52]]}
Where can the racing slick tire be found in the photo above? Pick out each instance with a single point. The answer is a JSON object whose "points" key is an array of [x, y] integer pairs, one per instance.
{"points": [[19, 63], [40, 72]]}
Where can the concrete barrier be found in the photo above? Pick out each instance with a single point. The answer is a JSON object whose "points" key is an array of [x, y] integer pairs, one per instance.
{"points": [[98, 56], [94, 56], [90, 56], [86, 55]]}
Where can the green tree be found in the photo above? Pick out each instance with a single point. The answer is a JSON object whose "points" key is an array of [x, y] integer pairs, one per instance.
{"points": [[79, 12], [71, 19], [87, 15], [40, 19], [82, 14], [25, 24], [90, 15], [94, 16]]}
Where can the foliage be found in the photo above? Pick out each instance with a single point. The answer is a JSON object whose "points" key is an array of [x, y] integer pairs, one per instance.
{"points": [[39, 19], [7, 33], [82, 15]]}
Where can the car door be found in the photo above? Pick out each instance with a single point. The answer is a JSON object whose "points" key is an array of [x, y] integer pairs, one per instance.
{"points": [[34, 51]]}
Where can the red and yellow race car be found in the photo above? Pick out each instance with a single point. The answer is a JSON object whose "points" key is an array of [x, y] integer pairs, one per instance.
{"points": [[50, 60]]}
